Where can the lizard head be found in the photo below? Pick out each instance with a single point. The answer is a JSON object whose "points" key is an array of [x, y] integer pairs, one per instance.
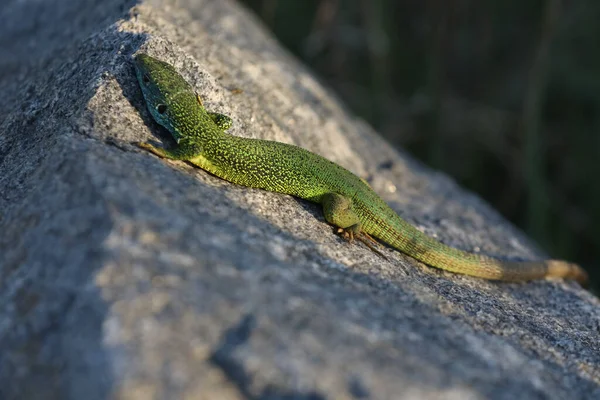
{"points": [[169, 98]]}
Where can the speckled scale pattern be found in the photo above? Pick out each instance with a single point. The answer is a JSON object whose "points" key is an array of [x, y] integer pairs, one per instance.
{"points": [[289, 169]]}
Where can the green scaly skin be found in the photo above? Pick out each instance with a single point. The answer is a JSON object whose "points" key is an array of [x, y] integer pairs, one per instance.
{"points": [[348, 202]]}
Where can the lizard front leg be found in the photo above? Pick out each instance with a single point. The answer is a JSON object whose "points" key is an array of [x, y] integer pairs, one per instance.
{"points": [[223, 121], [181, 152]]}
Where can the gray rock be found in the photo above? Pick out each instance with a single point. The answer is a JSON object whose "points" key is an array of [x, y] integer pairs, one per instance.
{"points": [[126, 276]]}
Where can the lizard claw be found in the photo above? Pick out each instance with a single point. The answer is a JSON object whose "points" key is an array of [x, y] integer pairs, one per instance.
{"points": [[199, 99], [346, 234]]}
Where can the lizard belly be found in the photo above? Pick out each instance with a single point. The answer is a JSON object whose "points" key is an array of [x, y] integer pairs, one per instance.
{"points": [[205, 164]]}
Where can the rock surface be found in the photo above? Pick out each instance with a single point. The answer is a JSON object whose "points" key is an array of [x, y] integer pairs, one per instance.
{"points": [[126, 276]]}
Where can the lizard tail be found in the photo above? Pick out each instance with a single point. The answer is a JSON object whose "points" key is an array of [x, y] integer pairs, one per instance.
{"points": [[426, 249], [567, 270], [528, 270]]}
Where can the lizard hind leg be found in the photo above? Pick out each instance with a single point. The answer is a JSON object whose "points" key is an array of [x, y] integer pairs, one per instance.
{"points": [[338, 212]]}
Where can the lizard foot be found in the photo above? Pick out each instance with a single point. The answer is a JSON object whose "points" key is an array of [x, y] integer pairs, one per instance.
{"points": [[151, 148], [349, 234], [161, 152], [371, 244]]}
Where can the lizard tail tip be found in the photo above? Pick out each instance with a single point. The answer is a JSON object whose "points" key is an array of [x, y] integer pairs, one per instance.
{"points": [[567, 270]]}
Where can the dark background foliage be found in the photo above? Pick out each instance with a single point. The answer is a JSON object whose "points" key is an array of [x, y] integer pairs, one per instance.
{"points": [[504, 95]]}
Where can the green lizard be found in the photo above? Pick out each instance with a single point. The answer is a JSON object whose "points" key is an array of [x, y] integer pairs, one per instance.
{"points": [[348, 202]]}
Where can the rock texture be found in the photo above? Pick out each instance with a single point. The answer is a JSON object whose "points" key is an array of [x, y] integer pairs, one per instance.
{"points": [[126, 276]]}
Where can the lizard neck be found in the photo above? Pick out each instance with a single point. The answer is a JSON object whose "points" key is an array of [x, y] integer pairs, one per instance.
{"points": [[205, 130]]}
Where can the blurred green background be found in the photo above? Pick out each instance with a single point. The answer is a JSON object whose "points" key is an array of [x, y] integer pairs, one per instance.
{"points": [[504, 95]]}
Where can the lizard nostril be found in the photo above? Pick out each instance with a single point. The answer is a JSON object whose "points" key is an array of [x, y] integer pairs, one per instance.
{"points": [[161, 108], [146, 78]]}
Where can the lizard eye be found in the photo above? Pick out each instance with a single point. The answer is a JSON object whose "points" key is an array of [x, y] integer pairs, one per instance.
{"points": [[146, 78], [161, 108]]}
